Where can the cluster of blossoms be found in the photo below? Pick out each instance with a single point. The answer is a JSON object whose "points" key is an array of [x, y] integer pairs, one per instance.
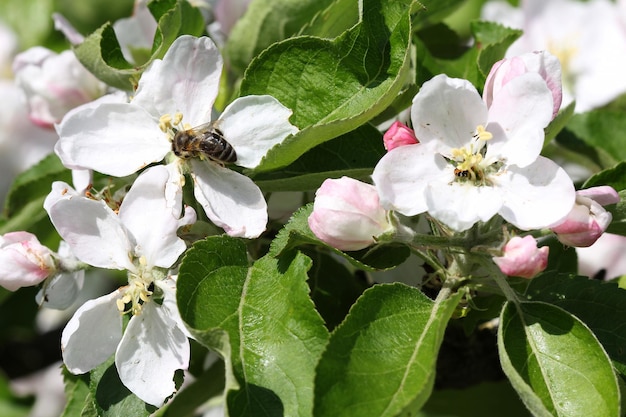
{"points": [[468, 159]]}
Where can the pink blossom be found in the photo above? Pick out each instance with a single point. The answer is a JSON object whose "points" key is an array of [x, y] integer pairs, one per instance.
{"points": [[542, 63], [588, 219], [522, 257], [23, 261], [54, 84], [397, 135], [347, 214]]}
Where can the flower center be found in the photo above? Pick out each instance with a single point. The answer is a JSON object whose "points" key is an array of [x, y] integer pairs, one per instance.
{"points": [[140, 288], [470, 165]]}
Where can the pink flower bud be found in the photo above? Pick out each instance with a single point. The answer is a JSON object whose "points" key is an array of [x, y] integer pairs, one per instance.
{"points": [[588, 219], [522, 257], [23, 261], [347, 214], [54, 84], [397, 135], [543, 63]]}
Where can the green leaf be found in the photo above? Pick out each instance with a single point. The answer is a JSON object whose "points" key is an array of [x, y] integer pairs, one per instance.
{"points": [[434, 11], [614, 176], [23, 208], [79, 401], [604, 129], [260, 319], [333, 287], [266, 22], [339, 16], [112, 398], [101, 53], [555, 362], [297, 232], [334, 86], [600, 305], [492, 41], [381, 360], [353, 154]]}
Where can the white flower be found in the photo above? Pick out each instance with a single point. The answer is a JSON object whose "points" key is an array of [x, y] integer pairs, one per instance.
{"points": [[175, 94], [584, 35], [473, 162], [142, 240], [54, 83]]}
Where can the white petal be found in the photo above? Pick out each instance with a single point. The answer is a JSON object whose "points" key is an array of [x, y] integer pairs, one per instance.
{"points": [[92, 334], [231, 200], [146, 214], [253, 125], [186, 81], [114, 138], [536, 196], [61, 291], [168, 286], [93, 231], [402, 175], [517, 117], [151, 350], [447, 110], [460, 206]]}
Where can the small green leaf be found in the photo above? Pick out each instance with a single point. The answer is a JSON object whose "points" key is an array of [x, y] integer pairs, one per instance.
{"points": [[79, 401], [555, 362], [353, 154], [434, 11], [600, 305], [101, 53], [260, 319], [334, 86], [381, 360], [492, 40], [297, 232]]}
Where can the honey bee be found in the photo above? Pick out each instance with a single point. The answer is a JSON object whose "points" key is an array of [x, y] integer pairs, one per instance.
{"points": [[206, 140], [461, 173]]}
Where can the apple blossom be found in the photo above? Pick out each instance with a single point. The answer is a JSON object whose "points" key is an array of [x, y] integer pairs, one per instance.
{"points": [[175, 94], [142, 240], [542, 63], [397, 135], [522, 258], [347, 214], [605, 258], [587, 220], [584, 35], [54, 83], [475, 161], [24, 261]]}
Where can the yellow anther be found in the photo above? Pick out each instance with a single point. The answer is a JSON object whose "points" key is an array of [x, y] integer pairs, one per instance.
{"points": [[482, 133], [178, 117], [165, 122]]}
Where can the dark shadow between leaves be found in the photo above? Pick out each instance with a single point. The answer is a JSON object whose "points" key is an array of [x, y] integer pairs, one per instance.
{"points": [[254, 401]]}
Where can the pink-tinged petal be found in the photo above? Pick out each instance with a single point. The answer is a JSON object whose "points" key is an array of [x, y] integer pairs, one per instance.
{"points": [[537, 196], [24, 261], [186, 81], [402, 175], [603, 195], [151, 350], [460, 206], [114, 138], [501, 73], [92, 334], [146, 204], [447, 111], [93, 231], [347, 214], [519, 113], [522, 257], [398, 135], [231, 200], [253, 125]]}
